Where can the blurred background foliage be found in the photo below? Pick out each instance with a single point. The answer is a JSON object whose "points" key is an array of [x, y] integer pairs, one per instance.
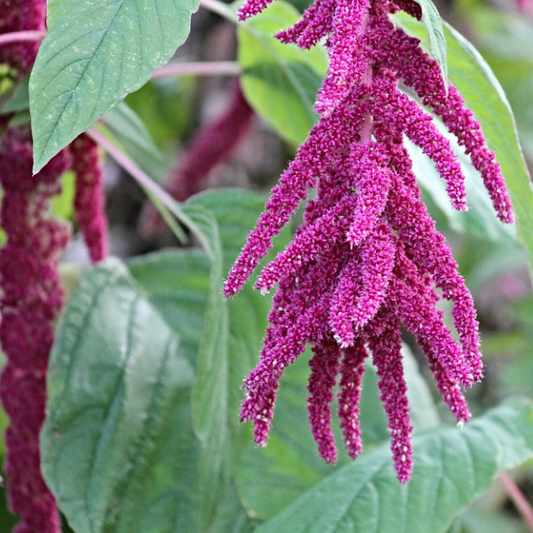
{"points": [[496, 271]]}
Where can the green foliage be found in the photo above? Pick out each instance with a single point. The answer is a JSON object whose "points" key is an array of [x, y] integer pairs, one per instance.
{"points": [[435, 35], [452, 468], [138, 425], [280, 81], [484, 96], [118, 434], [94, 54]]}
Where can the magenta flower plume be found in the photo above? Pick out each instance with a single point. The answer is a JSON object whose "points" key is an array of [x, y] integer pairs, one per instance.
{"points": [[367, 260], [31, 300], [89, 196]]}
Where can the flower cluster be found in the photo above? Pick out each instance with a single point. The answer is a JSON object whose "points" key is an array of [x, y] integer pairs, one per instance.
{"points": [[368, 258], [89, 196], [31, 300], [32, 294]]}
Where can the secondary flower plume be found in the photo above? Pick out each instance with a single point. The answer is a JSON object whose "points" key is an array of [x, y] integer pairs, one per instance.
{"points": [[367, 259]]}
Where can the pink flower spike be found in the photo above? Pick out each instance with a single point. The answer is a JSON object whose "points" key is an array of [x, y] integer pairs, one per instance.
{"points": [[313, 26], [421, 72], [352, 371], [386, 349], [89, 197], [324, 233], [373, 183], [406, 115], [362, 286], [427, 248], [418, 312], [325, 145], [348, 58], [251, 8], [324, 368], [448, 388]]}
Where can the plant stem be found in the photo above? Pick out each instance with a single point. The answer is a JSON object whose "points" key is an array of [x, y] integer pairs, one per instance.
{"points": [[127, 164], [17, 36], [518, 498], [204, 68]]}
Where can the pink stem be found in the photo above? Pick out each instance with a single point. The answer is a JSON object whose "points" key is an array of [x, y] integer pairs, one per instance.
{"points": [[204, 68], [518, 498], [17, 36]]}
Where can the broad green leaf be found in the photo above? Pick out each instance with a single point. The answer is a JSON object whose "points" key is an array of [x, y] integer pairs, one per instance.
{"points": [[94, 54], [117, 443], [210, 392], [176, 282], [236, 211], [435, 34], [484, 96], [273, 477], [280, 81], [452, 468]]}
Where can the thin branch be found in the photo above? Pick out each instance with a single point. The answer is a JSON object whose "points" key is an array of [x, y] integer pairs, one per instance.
{"points": [[518, 498], [127, 164], [204, 68], [18, 36]]}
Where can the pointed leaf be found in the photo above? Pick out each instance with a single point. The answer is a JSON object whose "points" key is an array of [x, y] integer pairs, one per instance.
{"points": [[117, 442], [96, 53]]}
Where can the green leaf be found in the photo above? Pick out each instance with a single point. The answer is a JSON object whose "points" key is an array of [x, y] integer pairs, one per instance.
{"points": [[435, 34], [236, 211], [19, 100], [210, 392], [129, 130], [484, 96], [452, 468], [117, 443], [280, 81], [94, 54], [176, 282]]}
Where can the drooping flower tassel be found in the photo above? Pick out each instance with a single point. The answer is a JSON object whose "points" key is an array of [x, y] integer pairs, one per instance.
{"points": [[368, 260], [31, 300]]}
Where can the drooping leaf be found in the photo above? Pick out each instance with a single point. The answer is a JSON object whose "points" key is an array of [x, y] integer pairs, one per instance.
{"points": [[94, 54], [280, 81], [117, 443], [452, 468], [236, 211], [484, 96], [435, 34]]}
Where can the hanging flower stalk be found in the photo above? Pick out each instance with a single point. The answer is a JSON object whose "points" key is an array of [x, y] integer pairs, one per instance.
{"points": [[32, 297], [32, 294], [368, 259], [89, 196]]}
